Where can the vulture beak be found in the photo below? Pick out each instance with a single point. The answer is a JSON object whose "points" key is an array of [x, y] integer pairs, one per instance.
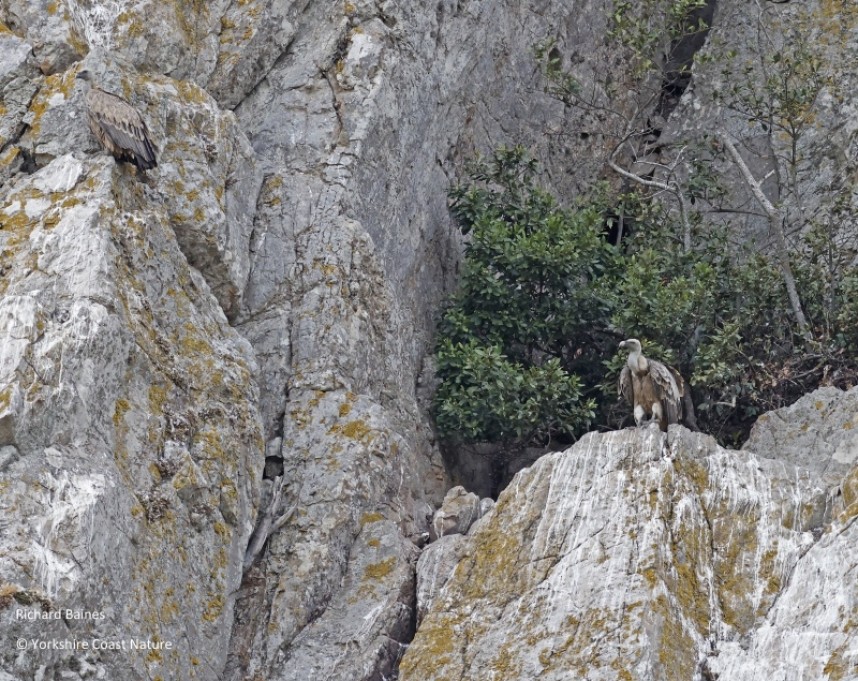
{"points": [[622, 345]]}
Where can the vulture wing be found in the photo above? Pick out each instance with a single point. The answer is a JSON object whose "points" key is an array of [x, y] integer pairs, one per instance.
{"points": [[120, 129], [689, 417], [669, 392], [625, 387]]}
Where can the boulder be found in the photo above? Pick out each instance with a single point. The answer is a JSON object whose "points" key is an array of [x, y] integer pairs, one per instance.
{"points": [[458, 512]]}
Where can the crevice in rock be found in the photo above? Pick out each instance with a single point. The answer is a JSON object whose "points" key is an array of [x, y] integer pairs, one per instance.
{"points": [[273, 468], [402, 637], [264, 77], [336, 97], [680, 58], [706, 674], [249, 603], [268, 523], [27, 164]]}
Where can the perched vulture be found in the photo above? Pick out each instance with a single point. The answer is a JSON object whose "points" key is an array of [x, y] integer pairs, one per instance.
{"points": [[654, 390], [118, 127]]}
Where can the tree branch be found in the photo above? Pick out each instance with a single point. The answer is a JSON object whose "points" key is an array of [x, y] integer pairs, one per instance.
{"points": [[656, 184], [776, 223], [268, 525]]}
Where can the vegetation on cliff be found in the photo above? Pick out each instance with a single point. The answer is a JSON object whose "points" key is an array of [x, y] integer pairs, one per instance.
{"points": [[660, 249], [527, 346]]}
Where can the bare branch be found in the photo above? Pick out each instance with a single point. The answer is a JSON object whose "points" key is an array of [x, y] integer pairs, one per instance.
{"points": [[673, 190], [267, 525], [776, 223], [772, 212]]}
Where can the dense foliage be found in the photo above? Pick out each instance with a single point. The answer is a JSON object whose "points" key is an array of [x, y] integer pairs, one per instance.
{"points": [[527, 348], [530, 309]]}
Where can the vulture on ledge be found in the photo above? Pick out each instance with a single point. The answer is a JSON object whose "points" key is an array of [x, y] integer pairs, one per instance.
{"points": [[654, 390], [118, 127]]}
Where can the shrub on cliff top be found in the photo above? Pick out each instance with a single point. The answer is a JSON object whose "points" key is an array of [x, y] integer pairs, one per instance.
{"points": [[526, 349]]}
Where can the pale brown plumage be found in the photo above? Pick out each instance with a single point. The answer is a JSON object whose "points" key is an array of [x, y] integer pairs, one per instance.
{"points": [[654, 389], [118, 127]]}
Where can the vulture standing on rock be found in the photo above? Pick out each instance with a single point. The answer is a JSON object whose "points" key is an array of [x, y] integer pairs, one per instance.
{"points": [[118, 127], [654, 389]]}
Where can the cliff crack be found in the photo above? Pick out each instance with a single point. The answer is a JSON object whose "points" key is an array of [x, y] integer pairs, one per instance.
{"points": [[336, 97]]}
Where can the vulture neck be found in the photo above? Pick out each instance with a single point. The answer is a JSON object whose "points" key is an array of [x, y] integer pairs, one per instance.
{"points": [[637, 362]]}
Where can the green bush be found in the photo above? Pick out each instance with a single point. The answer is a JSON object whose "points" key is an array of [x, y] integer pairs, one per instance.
{"points": [[485, 396], [527, 349], [528, 321]]}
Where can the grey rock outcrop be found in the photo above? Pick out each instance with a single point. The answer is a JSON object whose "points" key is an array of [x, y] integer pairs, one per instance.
{"points": [[48, 27], [459, 510], [434, 569], [782, 42], [647, 556], [312, 222], [129, 425], [360, 125], [19, 75], [816, 433], [275, 280]]}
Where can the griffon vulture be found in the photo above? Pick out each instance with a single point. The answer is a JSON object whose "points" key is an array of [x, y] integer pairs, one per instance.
{"points": [[654, 390], [118, 127]]}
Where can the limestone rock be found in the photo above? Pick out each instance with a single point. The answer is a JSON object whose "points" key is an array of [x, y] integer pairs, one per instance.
{"points": [[435, 568], [314, 218], [129, 430], [253, 35], [486, 507], [337, 532], [744, 41], [815, 433], [461, 513], [809, 633], [641, 555], [365, 627], [207, 176], [460, 510], [19, 81], [49, 27], [360, 125]]}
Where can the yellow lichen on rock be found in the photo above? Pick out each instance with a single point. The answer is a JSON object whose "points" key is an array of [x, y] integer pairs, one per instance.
{"points": [[380, 570]]}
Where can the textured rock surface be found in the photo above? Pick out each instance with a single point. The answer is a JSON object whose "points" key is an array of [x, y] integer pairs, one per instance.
{"points": [[745, 40], [49, 28], [459, 510], [816, 433], [315, 219], [305, 150], [368, 618], [359, 126], [434, 569], [644, 556], [128, 427], [18, 83]]}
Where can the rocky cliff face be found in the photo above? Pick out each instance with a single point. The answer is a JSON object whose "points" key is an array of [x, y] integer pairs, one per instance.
{"points": [[639, 555], [225, 354], [189, 355], [808, 166]]}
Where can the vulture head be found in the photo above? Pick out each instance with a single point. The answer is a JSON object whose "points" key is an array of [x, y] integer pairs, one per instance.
{"points": [[632, 344]]}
